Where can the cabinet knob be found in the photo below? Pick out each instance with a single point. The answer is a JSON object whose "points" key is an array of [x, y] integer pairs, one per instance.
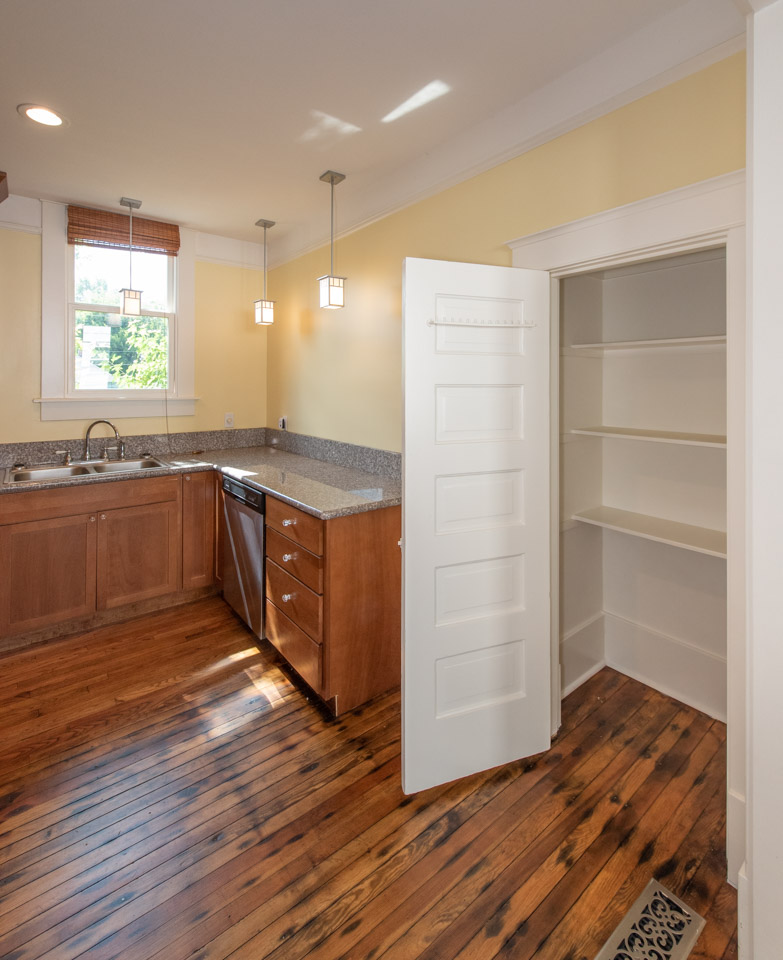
{"points": [[288, 556], [187, 476], [103, 516], [92, 519], [289, 523], [287, 596]]}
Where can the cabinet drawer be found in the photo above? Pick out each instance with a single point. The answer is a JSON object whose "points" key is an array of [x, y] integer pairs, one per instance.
{"points": [[294, 559], [298, 649], [300, 604], [296, 525]]}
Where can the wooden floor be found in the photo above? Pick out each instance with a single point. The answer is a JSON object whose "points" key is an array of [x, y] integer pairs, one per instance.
{"points": [[166, 792]]}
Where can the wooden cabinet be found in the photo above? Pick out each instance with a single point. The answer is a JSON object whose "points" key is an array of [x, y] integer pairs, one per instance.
{"points": [[138, 553], [333, 600], [49, 572], [199, 499], [72, 551]]}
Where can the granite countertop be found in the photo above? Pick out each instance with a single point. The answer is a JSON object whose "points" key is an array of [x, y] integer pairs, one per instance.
{"points": [[323, 489]]}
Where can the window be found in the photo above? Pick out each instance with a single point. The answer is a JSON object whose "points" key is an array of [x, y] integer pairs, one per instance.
{"points": [[110, 351], [96, 362]]}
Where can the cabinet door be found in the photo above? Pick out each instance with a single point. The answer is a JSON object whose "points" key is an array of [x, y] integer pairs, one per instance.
{"points": [[198, 530], [50, 572], [138, 553]]}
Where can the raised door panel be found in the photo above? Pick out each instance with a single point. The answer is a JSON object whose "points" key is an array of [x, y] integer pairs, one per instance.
{"points": [[198, 529], [50, 572], [138, 553]]}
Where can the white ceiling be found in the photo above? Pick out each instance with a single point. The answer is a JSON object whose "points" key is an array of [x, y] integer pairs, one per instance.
{"points": [[212, 111]]}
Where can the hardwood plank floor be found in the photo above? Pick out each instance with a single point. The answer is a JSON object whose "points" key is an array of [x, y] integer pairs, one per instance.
{"points": [[167, 792]]}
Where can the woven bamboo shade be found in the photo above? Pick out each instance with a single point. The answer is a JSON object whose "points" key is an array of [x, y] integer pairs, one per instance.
{"points": [[102, 228]]}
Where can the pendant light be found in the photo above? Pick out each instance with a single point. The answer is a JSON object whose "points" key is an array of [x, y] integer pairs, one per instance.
{"points": [[131, 299], [264, 309], [332, 288]]}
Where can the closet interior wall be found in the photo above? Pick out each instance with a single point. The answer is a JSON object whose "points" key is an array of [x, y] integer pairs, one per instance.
{"points": [[643, 476]]}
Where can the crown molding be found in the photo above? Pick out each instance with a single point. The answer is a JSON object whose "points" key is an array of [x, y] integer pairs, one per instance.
{"points": [[688, 40], [21, 213], [211, 248], [24, 214]]}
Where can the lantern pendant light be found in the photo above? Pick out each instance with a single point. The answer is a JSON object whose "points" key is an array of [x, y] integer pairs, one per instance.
{"points": [[332, 288], [131, 299], [264, 309]]}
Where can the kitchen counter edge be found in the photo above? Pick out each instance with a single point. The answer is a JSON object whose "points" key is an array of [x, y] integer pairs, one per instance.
{"points": [[181, 465]]}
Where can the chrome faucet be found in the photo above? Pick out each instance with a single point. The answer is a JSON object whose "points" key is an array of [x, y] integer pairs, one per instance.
{"points": [[120, 443]]}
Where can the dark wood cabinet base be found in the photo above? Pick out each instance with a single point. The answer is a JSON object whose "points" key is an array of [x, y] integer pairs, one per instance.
{"points": [[334, 612]]}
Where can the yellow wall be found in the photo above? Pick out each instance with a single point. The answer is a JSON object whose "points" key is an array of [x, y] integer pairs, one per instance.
{"points": [[20, 333], [336, 374], [230, 350]]}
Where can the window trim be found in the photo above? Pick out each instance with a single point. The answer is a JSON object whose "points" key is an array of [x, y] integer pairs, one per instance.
{"points": [[55, 401]]}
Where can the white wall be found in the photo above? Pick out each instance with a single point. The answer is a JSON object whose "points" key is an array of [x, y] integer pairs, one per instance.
{"points": [[762, 901]]}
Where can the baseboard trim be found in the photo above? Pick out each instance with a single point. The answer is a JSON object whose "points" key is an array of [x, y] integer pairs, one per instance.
{"points": [[675, 668], [735, 835], [582, 678], [744, 926], [581, 653]]}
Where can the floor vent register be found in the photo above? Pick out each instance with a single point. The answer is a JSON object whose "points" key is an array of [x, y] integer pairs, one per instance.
{"points": [[659, 926]]}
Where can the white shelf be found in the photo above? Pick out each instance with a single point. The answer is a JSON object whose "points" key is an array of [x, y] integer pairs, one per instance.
{"points": [[656, 436], [642, 344], [699, 539]]}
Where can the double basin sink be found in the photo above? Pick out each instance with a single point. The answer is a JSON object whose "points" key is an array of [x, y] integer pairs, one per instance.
{"points": [[75, 471]]}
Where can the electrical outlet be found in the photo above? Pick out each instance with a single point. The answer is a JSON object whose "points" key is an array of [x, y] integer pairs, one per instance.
{"points": [[281, 423], [228, 421]]}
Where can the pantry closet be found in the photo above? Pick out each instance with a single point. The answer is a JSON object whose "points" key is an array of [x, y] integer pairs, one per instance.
{"points": [[643, 476], [648, 424]]}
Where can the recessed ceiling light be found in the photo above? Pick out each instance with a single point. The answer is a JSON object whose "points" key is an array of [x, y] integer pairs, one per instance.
{"points": [[34, 111], [431, 92]]}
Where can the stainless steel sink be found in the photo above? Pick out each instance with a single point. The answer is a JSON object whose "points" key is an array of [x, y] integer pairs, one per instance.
{"points": [[127, 466], [46, 472], [77, 471]]}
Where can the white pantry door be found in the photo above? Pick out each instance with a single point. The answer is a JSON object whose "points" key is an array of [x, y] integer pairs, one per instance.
{"points": [[476, 519]]}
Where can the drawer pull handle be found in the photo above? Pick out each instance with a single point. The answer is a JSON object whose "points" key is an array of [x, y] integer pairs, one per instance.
{"points": [[288, 556], [287, 596], [289, 523]]}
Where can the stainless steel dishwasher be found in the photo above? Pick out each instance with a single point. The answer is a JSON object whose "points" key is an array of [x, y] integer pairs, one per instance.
{"points": [[243, 552]]}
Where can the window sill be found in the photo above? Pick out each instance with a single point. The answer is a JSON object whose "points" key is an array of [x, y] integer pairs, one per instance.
{"points": [[80, 408]]}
